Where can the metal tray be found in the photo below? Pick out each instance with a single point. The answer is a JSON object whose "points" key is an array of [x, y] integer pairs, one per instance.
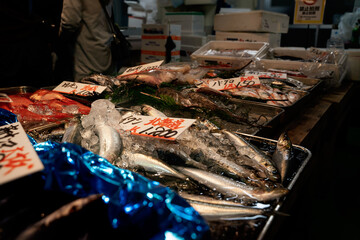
{"points": [[268, 116], [261, 228]]}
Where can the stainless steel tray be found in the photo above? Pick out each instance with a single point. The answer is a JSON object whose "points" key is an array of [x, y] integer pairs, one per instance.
{"points": [[260, 228], [263, 116]]}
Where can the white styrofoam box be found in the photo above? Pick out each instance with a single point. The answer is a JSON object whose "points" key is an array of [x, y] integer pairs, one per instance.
{"points": [[161, 29], [148, 57], [135, 22], [158, 44], [193, 40], [191, 22], [154, 36], [273, 39], [199, 2], [253, 21], [203, 58], [353, 64]]}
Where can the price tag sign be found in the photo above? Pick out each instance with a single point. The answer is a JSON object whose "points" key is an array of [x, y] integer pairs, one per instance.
{"points": [[158, 127], [142, 68], [5, 98], [309, 11], [225, 84], [266, 74], [80, 89], [17, 155]]}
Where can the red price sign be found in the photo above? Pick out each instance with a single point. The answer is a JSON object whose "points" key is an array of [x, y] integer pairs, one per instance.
{"points": [[17, 156]]}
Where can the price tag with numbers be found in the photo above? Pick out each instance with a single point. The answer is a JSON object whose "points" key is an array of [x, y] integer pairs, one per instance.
{"points": [[225, 84], [158, 127], [80, 89], [266, 74], [142, 68], [18, 158]]}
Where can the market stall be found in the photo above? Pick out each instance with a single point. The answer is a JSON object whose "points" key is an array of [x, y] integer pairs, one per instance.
{"points": [[217, 147]]}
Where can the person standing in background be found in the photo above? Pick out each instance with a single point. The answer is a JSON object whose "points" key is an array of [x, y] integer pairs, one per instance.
{"points": [[27, 34], [84, 22]]}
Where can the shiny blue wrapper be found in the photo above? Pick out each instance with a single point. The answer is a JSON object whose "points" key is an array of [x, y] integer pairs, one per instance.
{"points": [[132, 199], [7, 117]]}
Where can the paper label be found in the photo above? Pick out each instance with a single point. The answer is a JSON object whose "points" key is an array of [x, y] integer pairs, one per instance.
{"points": [[225, 84], [18, 158], [80, 89], [309, 11], [266, 74], [142, 68], [5, 98], [158, 127]]}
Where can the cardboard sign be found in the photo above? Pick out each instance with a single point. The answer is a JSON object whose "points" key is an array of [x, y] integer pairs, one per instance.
{"points": [[80, 89], [142, 68], [266, 74], [17, 155], [225, 84], [309, 11], [158, 127]]}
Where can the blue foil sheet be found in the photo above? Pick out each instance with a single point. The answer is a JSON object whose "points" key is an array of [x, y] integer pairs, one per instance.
{"points": [[132, 199], [7, 117]]}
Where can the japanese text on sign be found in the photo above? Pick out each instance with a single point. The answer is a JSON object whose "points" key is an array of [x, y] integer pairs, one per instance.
{"points": [[17, 156], [309, 11], [159, 127], [225, 84], [80, 89], [266, 74], [142, 68]]}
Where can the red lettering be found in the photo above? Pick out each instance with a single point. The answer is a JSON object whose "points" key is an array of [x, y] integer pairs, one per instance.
{"points": [[14, 159]]}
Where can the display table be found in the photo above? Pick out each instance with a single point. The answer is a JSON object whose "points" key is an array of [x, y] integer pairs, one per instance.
{"points": [[319, 127]]}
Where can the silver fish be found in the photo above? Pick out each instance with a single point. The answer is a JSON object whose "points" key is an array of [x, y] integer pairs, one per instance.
{"points": [[255, 154], [212, 200], [151, 111], [72, 132], [212, 158], [229, 187], [151, 164], [225, 212], [283, 155], [110, 142]]}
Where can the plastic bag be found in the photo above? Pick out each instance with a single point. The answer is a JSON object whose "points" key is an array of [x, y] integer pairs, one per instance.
{"points": [[346, 24]]}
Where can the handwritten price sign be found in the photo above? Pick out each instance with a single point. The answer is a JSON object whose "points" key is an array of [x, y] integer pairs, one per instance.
{"points": [[266, 74], [225, 84], [159, 127], [142, 68], [17, 155], [80, 89]]}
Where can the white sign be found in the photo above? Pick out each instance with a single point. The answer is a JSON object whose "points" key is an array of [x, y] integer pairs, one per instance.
{"points": [[158, 127], [225, 84], [142, 68], [17, 155], [309, 11], [80, 89], [266, 74]]}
